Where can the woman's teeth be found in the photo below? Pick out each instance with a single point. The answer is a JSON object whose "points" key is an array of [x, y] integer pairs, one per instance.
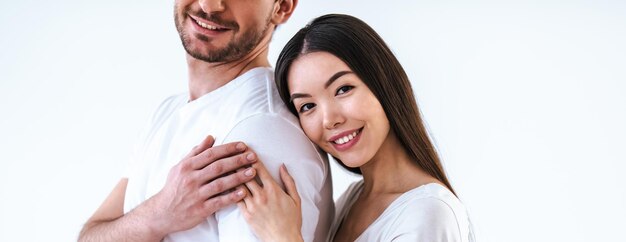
{"points": [[346, 138]]}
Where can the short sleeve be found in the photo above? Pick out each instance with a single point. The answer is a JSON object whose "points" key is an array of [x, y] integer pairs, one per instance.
{"points": [[277, 141]]}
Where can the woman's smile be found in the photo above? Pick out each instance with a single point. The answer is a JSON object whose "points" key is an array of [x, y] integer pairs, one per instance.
{"points": [[345, 140]]}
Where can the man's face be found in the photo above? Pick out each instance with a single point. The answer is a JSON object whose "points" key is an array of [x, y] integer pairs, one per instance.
{"points": [[222, 31]]}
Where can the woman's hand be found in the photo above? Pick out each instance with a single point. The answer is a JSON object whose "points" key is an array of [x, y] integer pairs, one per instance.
{"points": [[273, 214]]}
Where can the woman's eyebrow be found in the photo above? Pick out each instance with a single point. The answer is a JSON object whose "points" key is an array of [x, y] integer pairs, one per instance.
{"points": [[330, 81], [298, 95], [335, 77]]}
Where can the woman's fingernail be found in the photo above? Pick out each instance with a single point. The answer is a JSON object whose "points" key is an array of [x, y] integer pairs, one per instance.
{"points": [[240, 193]]}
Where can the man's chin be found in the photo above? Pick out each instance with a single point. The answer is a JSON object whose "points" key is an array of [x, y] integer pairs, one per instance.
{"points": [[200, 52], [207, 56]]}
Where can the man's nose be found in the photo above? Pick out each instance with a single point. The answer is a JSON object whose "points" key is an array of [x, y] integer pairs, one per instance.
{"points": [[209, 6]]}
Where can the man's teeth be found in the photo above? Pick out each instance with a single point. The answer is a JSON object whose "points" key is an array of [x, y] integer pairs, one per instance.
{"points": [[346, 138], [206, 26]]}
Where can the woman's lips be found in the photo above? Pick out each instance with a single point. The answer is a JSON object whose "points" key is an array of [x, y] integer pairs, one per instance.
{"points": [[346, 140]]}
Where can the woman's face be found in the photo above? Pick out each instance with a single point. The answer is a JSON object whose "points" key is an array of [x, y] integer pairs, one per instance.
{"points": [[337, 111]]}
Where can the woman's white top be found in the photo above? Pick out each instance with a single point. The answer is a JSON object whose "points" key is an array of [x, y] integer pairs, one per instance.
{"points": [[428, 213]]}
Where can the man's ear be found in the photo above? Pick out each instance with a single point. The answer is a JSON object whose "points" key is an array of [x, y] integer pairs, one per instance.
{"points": [[283, 10]]}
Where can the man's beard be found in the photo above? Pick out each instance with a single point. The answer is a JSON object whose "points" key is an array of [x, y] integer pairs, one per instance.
{"points": [[238, 46]]}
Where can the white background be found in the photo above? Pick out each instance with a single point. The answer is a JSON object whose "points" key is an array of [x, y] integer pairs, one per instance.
{"points": [[525, 100]]}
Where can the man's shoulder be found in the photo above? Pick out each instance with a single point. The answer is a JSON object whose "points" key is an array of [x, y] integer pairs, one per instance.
{"points": [[271, 133], [258, 96], [269, 123]]}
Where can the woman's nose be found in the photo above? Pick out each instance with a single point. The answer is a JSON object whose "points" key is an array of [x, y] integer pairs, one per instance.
{"points": [[332, 117]]}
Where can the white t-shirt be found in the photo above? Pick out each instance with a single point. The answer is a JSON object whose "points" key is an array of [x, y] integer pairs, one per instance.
{"points": [[247, 109], [428, 213]]}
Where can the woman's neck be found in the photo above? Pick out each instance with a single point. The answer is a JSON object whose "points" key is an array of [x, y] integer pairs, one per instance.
{"points": [[392, 170]]}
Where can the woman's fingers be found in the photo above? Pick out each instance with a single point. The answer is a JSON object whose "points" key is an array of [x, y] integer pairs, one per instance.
{"points": [[290, 184], [271, 211], [264, 182], [254, 188], [269, 187], [243, 207], [262, 172]]}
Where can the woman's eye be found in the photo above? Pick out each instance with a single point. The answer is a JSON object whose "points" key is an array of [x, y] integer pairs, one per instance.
{"points": [[344, 89], [306, 107]]}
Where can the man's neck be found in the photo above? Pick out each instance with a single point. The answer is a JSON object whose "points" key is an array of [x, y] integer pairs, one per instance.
{"points": [[205, 77]]}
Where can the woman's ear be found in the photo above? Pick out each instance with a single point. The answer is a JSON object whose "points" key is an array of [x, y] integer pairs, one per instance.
{"points": [[283, 10]]}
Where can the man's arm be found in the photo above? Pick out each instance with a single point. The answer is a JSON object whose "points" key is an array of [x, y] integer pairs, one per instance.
{"points": [[193, 191], [108, 223]]}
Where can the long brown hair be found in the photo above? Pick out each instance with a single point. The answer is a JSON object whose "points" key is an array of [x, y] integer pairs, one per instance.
{"points": [[363, 50]]}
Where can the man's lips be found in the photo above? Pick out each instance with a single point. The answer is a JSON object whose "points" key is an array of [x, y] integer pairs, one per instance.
{"points": [[209, 25]]}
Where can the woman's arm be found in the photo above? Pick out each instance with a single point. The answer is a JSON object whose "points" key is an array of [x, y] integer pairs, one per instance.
{"points": [[273, 214]]}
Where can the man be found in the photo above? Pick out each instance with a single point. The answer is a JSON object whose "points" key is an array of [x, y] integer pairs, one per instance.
{"points": [[175, 191]]}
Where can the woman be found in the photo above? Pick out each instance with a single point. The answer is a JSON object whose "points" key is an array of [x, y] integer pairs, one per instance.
{"points": [[355, 101]]}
